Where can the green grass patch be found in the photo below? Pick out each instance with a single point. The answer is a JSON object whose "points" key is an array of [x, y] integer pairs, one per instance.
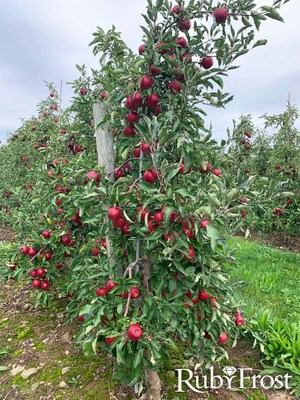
{"points": [[267, 279]]}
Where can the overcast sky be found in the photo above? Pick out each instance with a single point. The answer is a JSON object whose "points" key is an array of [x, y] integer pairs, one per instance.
{"points": [[42, 40]]}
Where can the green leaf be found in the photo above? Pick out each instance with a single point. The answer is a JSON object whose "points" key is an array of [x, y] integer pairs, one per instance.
{"points": [[272, 13], [4, 368], [261, 42]]}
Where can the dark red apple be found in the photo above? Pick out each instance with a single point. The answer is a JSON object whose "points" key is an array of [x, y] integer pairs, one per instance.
{"points": [[150, 176], [184, 25], [175, 86], [207, 62], [146, 82], [152, 100], [220, 14], [129, 131], [114, 212], [134, 332], [181, 41], [101, 291], [133, 117]]}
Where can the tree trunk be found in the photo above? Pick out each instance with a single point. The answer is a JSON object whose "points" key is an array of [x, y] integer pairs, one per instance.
{"points": [[153, 382]]}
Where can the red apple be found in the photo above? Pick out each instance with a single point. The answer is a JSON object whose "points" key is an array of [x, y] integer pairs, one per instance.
{"points": [[94, 175], [150, 176], [46, 234], [206, 169], [181, 41], [134, 292], [110, 285], [134, 332], [96, 251], [41, 272], [137, 99], [152, 100], [114, 212], [145, 147], [133, 117], [103, 95], [129, 131], [24, 250], [146, 82], [32, 252], [175, 86], [203, 295], [184, 25], [177, 9], [141, 49], [129, 103], [207, 62], [45, 286], [220, 14], [36, 283], [217, 172], [222, 338], [83, 91], [154, 70], [101, 291]]}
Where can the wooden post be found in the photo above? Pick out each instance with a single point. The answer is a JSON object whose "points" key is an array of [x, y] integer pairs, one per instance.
{"points": [[106, 154], [104, 140]]}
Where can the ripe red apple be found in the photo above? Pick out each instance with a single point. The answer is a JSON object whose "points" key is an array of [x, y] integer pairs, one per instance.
{"points": [[45, 286], [146, 82], [154, 70], [24, 250], [32, 252], [110, 285], [58, 266], [150, 175], [80, 318], [239, 320], [207, 62], [133, 117], [83, 91], [204, 223], [151, 225], [101, 291], [244, 200], [114, 212], [51, 94], [96, 251], [134, 332], [32, 273], [181, 41], [159, 217], [157, 110], [110, 340], [175, 86], [184, 25], [94, 175], [134, 292], [137, 99], [36, 283], [41, 272], [129, 131], [220, 14], [48, 255], [243, 213], [145, 147], [65, 240], [46, 234], [103, 95], [119, 223], [152, 100], [177, 9], [206, 169], [203, 295], [191, 255], [217, 172], [222, 338], [136, 152], [129, 103], [141, 49]]}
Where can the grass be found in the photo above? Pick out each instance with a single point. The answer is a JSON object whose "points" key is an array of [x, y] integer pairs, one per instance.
{"points": [[267, 279]]}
